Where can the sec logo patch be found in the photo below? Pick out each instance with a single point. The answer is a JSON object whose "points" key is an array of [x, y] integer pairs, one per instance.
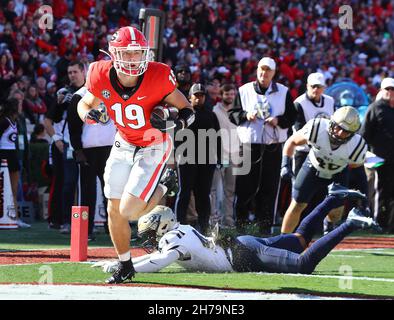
{"points": [[106, 94]]}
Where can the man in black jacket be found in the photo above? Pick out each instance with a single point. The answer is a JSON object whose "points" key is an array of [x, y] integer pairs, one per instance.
{"points": [[65, 171], [263, 111], [195, 173], [378, 131]]}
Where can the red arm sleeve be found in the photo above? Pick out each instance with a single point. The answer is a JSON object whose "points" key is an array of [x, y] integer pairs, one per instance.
{"points": [[168, 80]]}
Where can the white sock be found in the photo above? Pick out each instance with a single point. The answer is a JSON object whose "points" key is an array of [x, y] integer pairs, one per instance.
{"points": [[125, 256], [165, 189]]}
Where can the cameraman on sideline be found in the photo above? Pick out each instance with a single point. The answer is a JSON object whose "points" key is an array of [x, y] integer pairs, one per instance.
{"points": [[63, 185], [263, 112]]}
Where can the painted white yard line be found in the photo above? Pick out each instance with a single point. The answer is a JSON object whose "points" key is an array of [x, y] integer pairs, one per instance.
{"points": [[90, 292], [345, 256], [363, 250]]}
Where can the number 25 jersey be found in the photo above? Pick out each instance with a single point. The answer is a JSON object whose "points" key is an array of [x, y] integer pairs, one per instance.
{"points": [[130, 108]]}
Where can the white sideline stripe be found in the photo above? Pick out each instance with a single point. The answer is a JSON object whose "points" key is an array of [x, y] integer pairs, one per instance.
{"points": [[91, 292]]}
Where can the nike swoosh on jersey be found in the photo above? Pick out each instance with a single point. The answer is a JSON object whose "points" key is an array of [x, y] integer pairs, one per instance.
{"points": [[140, 98]]}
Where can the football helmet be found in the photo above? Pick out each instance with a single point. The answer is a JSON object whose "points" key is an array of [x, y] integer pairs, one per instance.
{"points": [[129, 51], [156, 223], [347, 119]]}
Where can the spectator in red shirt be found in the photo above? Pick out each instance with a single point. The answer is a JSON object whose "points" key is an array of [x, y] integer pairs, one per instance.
{"points": [[33, 106]]}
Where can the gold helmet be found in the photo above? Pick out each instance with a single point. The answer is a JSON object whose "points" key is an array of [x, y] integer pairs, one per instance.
{"points": [[346, 118], [156, 223]]}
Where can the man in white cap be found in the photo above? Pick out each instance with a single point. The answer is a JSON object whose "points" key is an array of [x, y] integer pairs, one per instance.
{"points": [[312, 104], [378, 131], [263, 112]]}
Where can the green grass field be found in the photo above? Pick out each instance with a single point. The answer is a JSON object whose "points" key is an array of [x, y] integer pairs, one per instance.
{"points": [[372, 270]]}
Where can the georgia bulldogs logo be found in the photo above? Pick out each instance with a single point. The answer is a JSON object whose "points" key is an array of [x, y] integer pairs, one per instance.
{"points": [[12, 137]]}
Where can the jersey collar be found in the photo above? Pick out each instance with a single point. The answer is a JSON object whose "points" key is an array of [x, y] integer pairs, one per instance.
{"points": [[124, 92]]}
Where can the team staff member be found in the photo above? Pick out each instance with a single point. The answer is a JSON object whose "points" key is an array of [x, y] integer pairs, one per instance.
{"points": [[197, 176], [92, 146], [263, 112], [65, 171], [312, 104], [378, 131]]}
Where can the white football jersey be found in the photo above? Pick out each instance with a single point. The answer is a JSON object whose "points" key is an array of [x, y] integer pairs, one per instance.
{"points": [[197, 252], [326, 160]]}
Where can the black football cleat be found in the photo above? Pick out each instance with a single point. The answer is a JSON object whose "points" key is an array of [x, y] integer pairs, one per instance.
{"points": [[170, 180], [337, 190], [124, 272]]}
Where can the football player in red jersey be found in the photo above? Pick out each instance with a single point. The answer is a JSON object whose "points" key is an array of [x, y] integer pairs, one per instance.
{"points": [[130, 86]]}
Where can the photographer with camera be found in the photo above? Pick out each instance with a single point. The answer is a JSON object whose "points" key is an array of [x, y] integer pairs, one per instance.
{"points": [[64, 168], [263, 111]]}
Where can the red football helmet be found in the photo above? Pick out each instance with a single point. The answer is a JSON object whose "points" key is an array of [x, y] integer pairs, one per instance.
{"points": [[129, 51]]}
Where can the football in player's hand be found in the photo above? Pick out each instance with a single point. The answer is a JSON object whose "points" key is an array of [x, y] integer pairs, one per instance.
{"points": [[163, 118], [161, 112], [166, 113]]}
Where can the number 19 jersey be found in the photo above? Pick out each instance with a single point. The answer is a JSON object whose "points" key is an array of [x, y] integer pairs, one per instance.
{"points": [[130, 108]]}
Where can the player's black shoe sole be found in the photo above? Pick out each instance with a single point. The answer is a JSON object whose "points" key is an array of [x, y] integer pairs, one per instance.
{"points": [[342, 192]]}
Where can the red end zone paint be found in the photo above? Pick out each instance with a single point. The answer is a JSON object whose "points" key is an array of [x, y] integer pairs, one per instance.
{"points": [[79, 233]]}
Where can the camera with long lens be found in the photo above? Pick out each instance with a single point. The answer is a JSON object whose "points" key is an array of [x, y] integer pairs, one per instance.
{"points": [[62, 91], [67, 94], [263, 110]]}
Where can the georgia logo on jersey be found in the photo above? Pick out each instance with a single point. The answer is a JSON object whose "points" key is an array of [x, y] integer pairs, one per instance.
{"points": [[12, 136]]}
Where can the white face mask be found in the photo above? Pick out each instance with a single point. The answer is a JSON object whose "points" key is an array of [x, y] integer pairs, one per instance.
{"points": [[130, 66]]}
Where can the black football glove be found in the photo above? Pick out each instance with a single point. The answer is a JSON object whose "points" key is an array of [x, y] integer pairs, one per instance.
{"points": [[95, 116], [286, 171]]}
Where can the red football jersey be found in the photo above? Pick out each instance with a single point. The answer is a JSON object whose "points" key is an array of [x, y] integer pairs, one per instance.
{"points": [[130, 108]]}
